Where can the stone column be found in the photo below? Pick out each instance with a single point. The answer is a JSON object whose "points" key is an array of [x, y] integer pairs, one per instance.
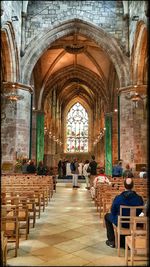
{"points": [[16, 126], [34, 129], [54, 121], [108, 144], [133, 127], [40, 136]]}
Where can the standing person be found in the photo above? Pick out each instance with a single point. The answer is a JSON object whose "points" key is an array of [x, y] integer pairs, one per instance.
{"points": [[117, 169], [143, 173], [86, 174], [126, 198], [75, 172], [93, 169], [128, 172], [81, 164], [60, 169], [64, 168]]}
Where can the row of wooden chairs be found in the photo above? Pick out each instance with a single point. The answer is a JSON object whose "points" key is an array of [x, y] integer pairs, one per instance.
{"points": [[105, 193], [136, 238], [21, 205]]}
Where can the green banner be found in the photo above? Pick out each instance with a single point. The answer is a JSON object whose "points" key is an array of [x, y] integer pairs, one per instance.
{"points": [[108, 145], [40, 137]]}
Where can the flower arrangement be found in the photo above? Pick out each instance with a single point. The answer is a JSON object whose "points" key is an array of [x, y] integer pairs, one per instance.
{"points": [[19, 162]]}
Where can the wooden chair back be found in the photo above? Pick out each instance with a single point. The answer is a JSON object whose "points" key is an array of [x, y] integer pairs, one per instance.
{"points": [[137, 242], [125, 222]]}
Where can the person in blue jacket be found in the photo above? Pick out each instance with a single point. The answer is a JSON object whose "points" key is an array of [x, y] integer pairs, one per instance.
{"points": [[126, 198], [117, 170]]}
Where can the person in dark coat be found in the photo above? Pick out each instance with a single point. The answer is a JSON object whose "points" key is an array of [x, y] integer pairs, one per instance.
{"points": [[128, 172], [60, 169], [41, 169], [93, 170], [31, 167], [64, 168], [126, 198]]}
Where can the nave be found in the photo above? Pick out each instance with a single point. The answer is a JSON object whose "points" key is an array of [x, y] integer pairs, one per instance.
{"points": [[68, 233]]}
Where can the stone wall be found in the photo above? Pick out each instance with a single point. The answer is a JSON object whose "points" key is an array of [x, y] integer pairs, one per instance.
{"points": [[136, 8], [23, 124], [43, 15], [8, 134], [133, 132]]}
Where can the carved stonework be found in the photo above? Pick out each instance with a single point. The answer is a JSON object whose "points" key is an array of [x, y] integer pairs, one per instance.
{"points": [[75, 48]]}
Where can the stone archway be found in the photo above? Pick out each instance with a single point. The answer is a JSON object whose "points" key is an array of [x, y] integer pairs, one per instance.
{"points": [[10, 61], [98, 35], [139, 55]]}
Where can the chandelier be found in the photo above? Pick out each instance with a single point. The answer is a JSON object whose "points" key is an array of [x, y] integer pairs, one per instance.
{"points": [[75, 48], [135, 97], [10, 92], [9, 97]]}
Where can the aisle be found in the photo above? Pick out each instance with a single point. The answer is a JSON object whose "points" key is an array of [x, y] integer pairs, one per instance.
{"points": [[69, 233]]}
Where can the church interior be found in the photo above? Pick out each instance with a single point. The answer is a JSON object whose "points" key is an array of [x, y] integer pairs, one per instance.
{"points": [[74, 78]]}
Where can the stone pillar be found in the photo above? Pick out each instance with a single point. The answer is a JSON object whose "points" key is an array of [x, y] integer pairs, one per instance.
{"points": [[133, 127], [33, 146], [54, 121], [16, 126], [108, 144], [40, 136]]}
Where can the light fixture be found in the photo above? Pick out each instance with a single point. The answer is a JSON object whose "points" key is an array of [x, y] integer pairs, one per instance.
{"points": [[9, 97], [135, 97], [10, 93], [2, 12], [14, 18], [135, 18]]}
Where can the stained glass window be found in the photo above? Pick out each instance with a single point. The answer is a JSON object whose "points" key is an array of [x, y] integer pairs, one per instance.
{"points": [[77, 129]]}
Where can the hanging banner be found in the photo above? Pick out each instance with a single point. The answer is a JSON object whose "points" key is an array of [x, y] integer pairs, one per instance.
{"points": [[108, 145], [40, 137]]}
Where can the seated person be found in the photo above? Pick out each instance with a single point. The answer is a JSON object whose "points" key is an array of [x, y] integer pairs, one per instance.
{"points": [[101, 178], [128, 172], [126, 198], [117, 170], [41, 169], [24, 166], [31, 167], [143, 173]]}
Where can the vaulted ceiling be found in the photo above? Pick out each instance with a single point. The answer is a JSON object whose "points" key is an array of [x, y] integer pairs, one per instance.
{"points": [[77, 66]]}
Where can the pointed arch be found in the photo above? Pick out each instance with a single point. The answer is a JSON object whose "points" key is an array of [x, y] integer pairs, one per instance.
{"points": [[77, 129], [98, 35], [139, 55], [9, 54], [87, 108]]}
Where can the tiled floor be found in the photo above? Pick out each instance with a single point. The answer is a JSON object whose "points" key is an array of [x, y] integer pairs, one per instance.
{"points": [[69, 233]]}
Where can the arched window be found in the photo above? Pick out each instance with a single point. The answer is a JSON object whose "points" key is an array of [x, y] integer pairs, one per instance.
{"points": [[77, 129]]}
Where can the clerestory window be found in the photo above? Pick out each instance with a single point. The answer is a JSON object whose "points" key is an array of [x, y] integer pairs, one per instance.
{"points": [[77, 129]]}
